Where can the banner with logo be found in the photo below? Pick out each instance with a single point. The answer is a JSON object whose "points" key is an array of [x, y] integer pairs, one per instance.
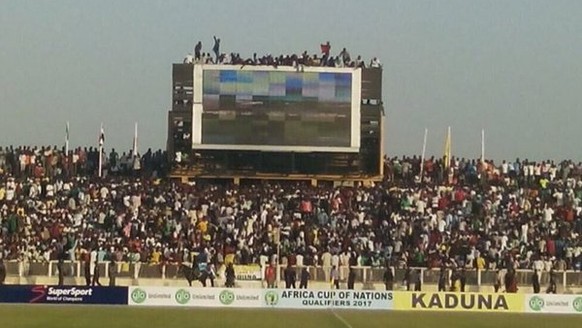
{"points": [[553, 303], [194, 297], [486, 302], [63, 294], [324, 299], [248, 272]]}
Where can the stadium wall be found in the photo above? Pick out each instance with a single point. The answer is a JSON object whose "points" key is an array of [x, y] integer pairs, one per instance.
{"points": [[308, 299], [43, 280]]}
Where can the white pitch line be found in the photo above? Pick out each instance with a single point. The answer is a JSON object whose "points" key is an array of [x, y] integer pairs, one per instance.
{"points": [[339, 317]]}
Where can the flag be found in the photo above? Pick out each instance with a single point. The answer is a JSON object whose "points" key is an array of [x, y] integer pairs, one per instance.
{"points": [[67, 133], [101, 137], [67, 138], [447, 155], [101, 142], [135, 140]]}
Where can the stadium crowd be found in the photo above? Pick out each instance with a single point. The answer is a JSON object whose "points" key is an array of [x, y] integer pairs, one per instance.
{"points": [[468, 214], [325, 58]]}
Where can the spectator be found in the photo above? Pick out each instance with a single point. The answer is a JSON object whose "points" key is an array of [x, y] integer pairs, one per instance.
{"points": [[510, 281], [375, 63], [2, 272], [498, 279], [552, 287], [270, 276], [418, 281], [345, 57], [388, 278], [407, 281], [198, 52], [335, 277], [230, 276], [290, 277], [216, 49], [305, 276], [325, 49], [535, 281], [60, 268], [351, 278], [112, 271], [442, 280], [210, 274], [96, 275], [87, 269]]}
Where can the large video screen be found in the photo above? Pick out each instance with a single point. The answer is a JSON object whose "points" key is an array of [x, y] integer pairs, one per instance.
{"points": [[278, 109]]}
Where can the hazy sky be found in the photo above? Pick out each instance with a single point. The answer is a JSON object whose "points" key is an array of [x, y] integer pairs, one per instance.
{"points": [[513, 68]]}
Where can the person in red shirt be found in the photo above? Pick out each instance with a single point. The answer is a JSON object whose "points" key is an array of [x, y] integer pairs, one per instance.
{"points": [[325, 48], [270, 276]]}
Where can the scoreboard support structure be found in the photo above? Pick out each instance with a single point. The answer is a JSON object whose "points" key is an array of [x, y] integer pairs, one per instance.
{"points": [[188, 162]]}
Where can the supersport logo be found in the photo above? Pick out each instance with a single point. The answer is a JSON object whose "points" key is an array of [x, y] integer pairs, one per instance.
{"points": [[39, 292]]}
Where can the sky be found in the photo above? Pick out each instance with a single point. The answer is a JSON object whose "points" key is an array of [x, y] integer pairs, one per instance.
{"points": [[513, 68]]}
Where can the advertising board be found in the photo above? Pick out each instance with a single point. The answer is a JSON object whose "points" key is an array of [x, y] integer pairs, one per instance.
{"points": [[248, 272], [485, 302], [63, 294], [553, 303], [194, 297], [323, 299]]}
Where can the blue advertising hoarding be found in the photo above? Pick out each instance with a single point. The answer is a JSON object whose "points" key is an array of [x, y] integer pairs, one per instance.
{"points": [[63, 294]]}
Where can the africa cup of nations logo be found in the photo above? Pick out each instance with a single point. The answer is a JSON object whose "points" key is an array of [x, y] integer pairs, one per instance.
{"points": [[182, 296], [138, 296], [271, 298]]}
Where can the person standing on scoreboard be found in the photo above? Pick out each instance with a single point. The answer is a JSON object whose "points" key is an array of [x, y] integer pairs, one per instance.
{"points": [[216, 49], [325, 48], [197, 51]]}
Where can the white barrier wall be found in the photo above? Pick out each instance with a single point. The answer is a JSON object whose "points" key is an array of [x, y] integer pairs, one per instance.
{"points": [[195, 297], [553, 303], [255, 298]]}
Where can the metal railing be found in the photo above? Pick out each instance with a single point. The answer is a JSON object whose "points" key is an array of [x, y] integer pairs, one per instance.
{"points": [[136, 270]]}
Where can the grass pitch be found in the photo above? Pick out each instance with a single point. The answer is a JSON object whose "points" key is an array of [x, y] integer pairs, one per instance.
{"points": [[58, 316]]}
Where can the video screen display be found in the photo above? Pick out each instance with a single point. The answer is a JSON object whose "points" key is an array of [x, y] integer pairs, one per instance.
{"points": [[262, 108]]}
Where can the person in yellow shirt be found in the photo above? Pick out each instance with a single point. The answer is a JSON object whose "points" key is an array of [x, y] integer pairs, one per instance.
{"points": [[155, 256], [480, 263], [203, 226]]}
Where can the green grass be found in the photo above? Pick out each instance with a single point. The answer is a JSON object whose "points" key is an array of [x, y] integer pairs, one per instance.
{"points": [[49, 316]]}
